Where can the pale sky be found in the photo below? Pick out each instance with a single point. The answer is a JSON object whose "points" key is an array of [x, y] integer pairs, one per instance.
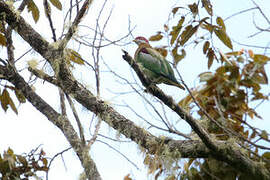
{"points": [[30, 128]]}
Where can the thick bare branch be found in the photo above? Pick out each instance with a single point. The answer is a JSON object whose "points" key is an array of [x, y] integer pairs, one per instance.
{"points": [[34, 39], [8, 73]]}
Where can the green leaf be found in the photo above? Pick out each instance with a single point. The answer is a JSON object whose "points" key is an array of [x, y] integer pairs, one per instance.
{"points": [[3, 41], [31, 6], [56, 4], [221, 34], [176, 29], [187, 34], [220, 22]]}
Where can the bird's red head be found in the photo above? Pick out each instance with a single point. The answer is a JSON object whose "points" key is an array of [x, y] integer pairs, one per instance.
{"points": [[139, 40]]}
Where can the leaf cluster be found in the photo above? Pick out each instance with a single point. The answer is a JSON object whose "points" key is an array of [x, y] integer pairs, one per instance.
{"points": [[32, 7], [13, 166], [226, 95], [6, 100]]}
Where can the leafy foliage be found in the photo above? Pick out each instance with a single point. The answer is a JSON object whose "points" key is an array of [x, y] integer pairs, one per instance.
{"points": [[32, 7], [13, 166], [227, 95]]}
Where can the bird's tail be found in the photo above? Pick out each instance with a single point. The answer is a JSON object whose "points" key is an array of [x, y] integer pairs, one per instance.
{"points": [[177, 84]]}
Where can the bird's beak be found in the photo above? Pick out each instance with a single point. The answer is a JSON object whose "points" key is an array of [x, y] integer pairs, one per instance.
{"points": [[135, 41]]}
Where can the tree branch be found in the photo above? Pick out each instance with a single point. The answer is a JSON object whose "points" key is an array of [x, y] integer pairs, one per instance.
{"points": [[225, 153], [33, 38], [10, 74], [75, 23]]}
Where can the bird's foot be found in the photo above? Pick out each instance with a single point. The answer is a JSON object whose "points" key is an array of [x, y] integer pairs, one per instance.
{"points": [[150, 86]]}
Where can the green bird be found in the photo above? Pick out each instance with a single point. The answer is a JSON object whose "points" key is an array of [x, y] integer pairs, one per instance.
{"points": [[153, 64]]}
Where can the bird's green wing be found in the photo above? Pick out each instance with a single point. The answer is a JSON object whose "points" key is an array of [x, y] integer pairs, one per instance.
{"points": [[165, 68], [150, 60]]}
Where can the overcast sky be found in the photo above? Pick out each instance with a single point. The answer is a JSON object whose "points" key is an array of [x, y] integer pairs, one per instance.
{"points": [[30, 129]]}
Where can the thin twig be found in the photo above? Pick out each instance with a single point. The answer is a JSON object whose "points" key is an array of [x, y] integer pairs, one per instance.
{"points": [[75, 24], [48, 15], [120, 154], [71, 104], [55, 156]]}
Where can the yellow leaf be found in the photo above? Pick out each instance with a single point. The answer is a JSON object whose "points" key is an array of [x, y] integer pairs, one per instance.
{"points": [[156, 37], [2, 30], [266, 155], [211, 56], [178, 57], [174, 10], [193, 8], [74, 56], [3, 41], [5, 99], [220, 22], [253, 135], [171, 177], [162, 51], [206, 46], [208, 27], [31, 6], [223, 57], [10, 152], [264, 135], [262, 59], [250, 53], [127, 177], [22, 160], [207, 6], [221, 34], [187, 33], [205, 76], [45, 162], [234, 53], [176, 29], [56, 4]]}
